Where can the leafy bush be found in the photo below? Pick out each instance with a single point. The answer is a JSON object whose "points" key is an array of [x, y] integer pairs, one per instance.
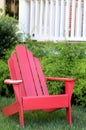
{"points": [[5, 90], [8, 40], [63, 60], [8, 37]]}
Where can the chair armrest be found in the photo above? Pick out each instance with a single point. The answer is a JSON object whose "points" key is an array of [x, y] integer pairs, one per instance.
{"points": [[10, 81], [59, 79], [69, 84]]}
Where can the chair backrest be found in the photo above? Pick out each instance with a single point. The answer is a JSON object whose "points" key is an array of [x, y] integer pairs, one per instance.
{"points": [[23, 65]]}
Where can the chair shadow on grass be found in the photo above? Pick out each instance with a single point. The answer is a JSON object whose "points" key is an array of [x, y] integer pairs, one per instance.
{"points": [[54, 120], [40, 118]]}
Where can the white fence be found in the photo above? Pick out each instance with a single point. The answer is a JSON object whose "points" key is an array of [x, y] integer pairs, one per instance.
{"points": [[54, 19]]}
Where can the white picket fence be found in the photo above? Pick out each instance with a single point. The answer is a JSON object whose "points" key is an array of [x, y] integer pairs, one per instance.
{"points": [[54, 19]]}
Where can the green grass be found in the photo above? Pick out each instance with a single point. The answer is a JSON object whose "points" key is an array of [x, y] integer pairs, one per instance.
{"points": [[38, 120]]}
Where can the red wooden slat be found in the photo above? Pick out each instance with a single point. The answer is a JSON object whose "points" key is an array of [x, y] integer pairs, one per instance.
{"points": [[41, 77], [60, 79], [17, 72], [34, 73], [45, 102], [25, 70], [13, 75], [11, 68]]}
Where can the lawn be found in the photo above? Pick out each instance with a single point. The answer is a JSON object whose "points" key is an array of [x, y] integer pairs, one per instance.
{"points": [[38, 120]]}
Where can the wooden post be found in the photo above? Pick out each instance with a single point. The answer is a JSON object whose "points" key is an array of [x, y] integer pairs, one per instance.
{"points": [[50, 18], [57, 18], [84, 20], [32, 27], [78, 19], [73, 18], [45, 17], [62, 19], [41, 18], [67, 17], [36, 18], [24, 16]]}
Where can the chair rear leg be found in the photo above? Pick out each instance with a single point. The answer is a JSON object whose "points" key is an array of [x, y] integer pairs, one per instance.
{"points": [[69, 115]]}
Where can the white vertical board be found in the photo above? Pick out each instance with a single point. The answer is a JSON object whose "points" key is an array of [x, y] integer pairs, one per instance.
{"points": [[24, 16], [84, 20], [57, 18], [53, 18], [41, 18], [45, 17], [50, 17], [78, 19], [36, 17], [73, 18], [67, 19], [62, 19], [32, 17]]}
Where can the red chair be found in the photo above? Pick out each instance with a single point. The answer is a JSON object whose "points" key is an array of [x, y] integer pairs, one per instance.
{"points": [[30, 87]]}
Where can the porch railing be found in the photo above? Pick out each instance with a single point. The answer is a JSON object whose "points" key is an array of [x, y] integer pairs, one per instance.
{"points": [[54, 19]]}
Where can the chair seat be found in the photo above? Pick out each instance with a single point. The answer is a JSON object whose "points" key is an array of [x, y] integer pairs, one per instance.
{"points": [[45, 102]]}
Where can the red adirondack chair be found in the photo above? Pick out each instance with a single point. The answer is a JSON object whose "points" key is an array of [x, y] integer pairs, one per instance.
{"points": [[30, 87]]}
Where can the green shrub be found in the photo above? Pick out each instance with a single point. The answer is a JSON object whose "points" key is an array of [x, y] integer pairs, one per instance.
{"points": [[5, 90], [4, 73], [63, 60], [8, 37], [8, 40]]}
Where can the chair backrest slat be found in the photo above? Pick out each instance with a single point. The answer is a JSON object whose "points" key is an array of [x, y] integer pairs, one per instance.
{"points": [[17, 72], [25, 71], [41, 76], [34, 73]]}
